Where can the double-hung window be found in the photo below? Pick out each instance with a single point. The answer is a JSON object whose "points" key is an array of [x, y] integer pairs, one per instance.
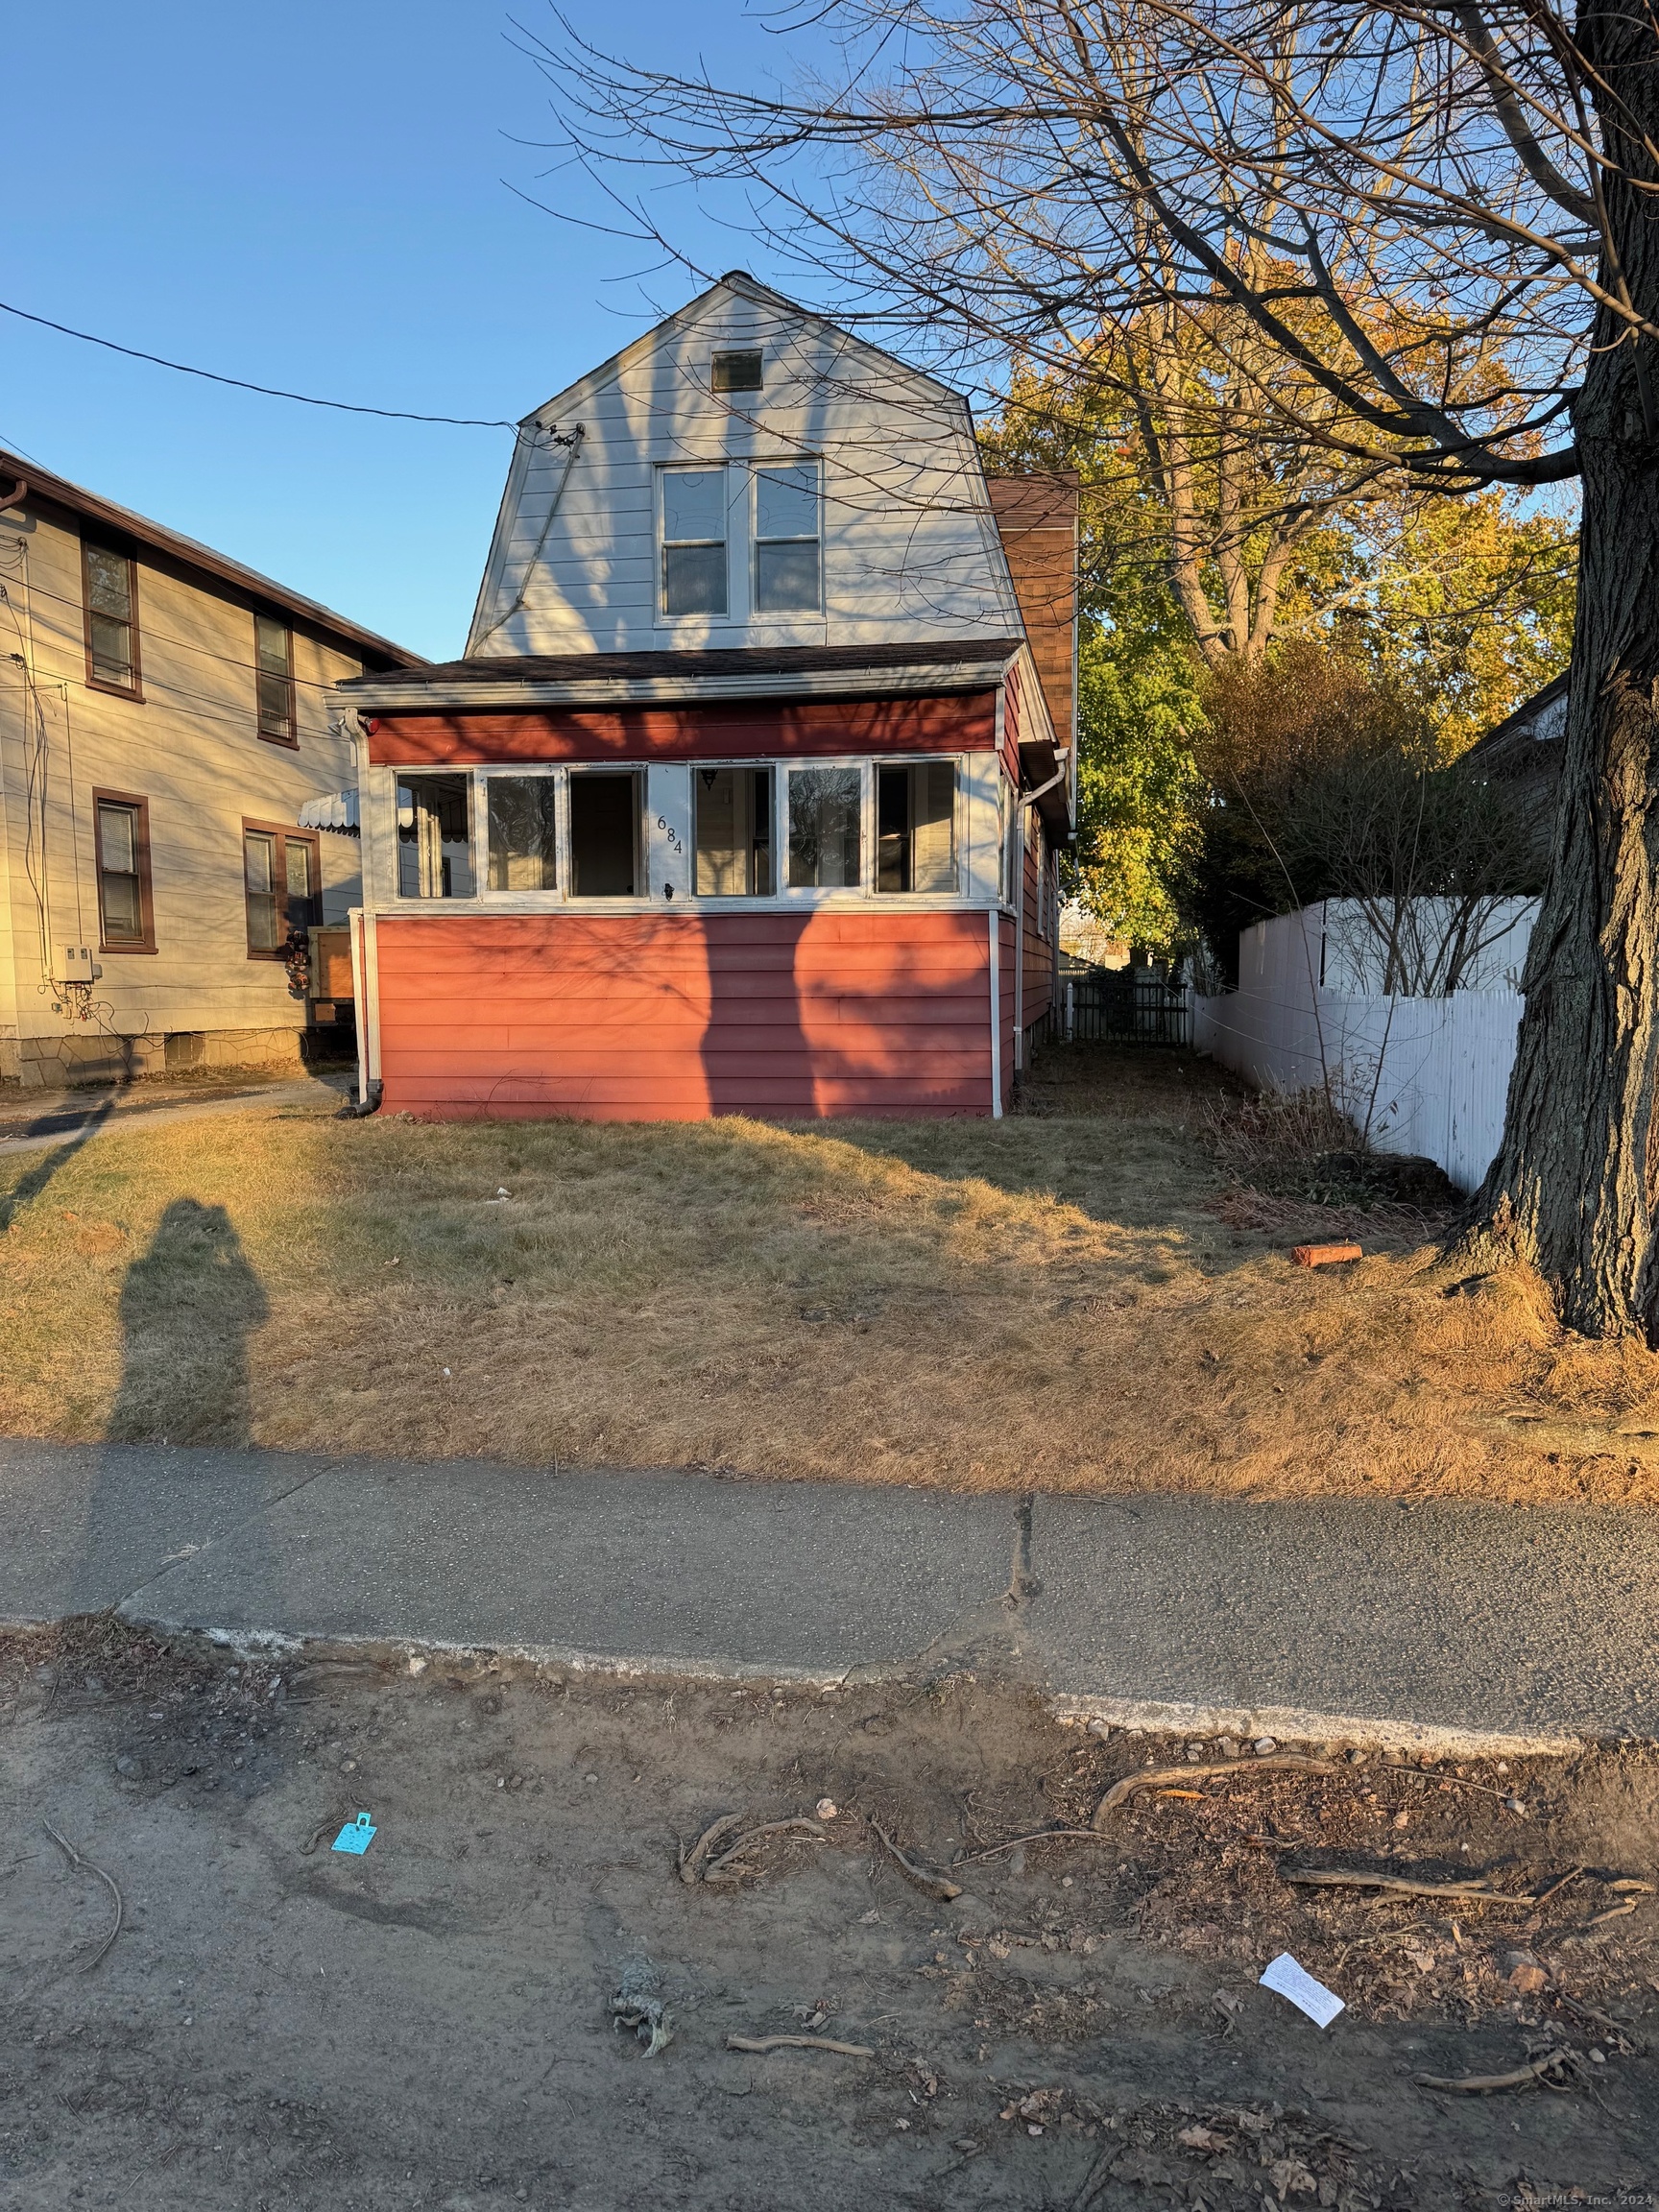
{"points": [[273, 679], [787, 532], [281, 884], [110, 585], [694, 574], [125, 914], [916, 826]]}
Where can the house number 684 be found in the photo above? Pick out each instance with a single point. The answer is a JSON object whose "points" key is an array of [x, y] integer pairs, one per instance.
{"points": [[676, 843]]}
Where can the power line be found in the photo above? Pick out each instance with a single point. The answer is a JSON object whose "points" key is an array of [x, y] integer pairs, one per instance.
{"points": [[241, 383]]}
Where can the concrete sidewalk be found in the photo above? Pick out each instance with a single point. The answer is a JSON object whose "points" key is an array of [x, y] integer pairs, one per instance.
{"points": [[1442, 1625], [72, 1119]]}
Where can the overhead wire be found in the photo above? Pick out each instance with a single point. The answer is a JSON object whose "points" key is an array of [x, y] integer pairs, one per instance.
{"points": [[266, 391]]}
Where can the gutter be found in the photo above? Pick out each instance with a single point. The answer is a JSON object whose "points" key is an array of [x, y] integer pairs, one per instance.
{"points": [[385, 699]]}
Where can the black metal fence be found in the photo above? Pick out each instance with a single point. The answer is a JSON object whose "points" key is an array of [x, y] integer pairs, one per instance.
{"points": [[1123, 1006]]}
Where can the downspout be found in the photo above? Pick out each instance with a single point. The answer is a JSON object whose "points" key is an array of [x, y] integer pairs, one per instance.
{"points": [[368, 1099], [995, 1012], [1031, 798]]}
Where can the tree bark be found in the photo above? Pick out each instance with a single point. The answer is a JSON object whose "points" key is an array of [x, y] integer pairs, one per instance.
{"points": [[1574, 1187]]}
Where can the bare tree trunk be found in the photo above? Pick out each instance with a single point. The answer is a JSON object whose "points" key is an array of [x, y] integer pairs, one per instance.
{"points": [[1575, 1184]]}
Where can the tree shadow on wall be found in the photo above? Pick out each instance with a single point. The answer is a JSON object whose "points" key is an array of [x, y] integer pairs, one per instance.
{"points": [[189, 1307]]}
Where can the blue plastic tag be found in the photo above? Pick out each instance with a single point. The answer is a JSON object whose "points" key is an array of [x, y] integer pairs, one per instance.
{"points": [[356, 1835]]}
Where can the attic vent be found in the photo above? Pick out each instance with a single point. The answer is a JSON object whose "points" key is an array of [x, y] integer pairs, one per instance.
{"points": [[737, 372]]}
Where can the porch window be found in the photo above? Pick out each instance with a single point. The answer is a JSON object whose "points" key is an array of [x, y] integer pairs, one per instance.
{"points": [[786, 531], [434, 837], [823, 826], [280, 881], [523, 834], [606, 809], [693, 540], [273, 679], [733, 833], [110, 582], [125, 914], [916, 826]]}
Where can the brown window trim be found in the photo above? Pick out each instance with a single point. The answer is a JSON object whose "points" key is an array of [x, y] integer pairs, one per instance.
{"points": [[284, 836], [146, 903], [135, 690], [291, 742]]}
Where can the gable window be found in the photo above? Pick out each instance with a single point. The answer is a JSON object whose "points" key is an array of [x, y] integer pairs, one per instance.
{"points": [[281, 885], [110, 582], [916, 826], [606, 820], [126, 918], [739, 371], [694, 542], [273, 674], [434, 837], [787, 541], [523, 834], [733, 833], [823, 820]]}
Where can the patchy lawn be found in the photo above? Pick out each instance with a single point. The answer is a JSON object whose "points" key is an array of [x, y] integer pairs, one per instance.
{"points": [[1078, 1297]]}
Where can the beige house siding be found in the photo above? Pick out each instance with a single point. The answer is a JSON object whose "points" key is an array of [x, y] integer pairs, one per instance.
{"points": [[190, 748]]}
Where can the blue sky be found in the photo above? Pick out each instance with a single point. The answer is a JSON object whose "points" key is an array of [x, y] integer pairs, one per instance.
{"points": [[313, 198]]}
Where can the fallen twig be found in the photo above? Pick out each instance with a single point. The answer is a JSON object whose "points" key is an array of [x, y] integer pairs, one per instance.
{"points": [[1543, 1896], [798, 2043], [691, 1861], [934, 1885], [1480, 2084], [1397, 1884], [1097, 2177], [1626, 1886], [1231, 1770], [1014, 1842], [1627, 2035], [109, 1881], [1613, 1912], [813, 1829]]}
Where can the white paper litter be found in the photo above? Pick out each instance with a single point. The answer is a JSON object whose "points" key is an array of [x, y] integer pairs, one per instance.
{"points": [[1288, 1979]]}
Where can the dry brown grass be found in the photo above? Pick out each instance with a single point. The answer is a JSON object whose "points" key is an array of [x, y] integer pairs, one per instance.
{"points": [[1078, 1297]]}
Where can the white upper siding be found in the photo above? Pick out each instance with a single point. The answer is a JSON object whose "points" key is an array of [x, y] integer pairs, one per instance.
{"points": [[910, 551]]}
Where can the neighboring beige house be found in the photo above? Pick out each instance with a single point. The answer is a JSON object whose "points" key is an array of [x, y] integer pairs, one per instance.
{"points": [[164, 720]]}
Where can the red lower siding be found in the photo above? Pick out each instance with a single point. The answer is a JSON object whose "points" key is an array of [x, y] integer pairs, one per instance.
{"points": [[657, 1017], [1039, 976]]}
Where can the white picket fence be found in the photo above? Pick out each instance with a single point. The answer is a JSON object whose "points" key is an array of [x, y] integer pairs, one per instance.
{"points": [[1421, 1075]]}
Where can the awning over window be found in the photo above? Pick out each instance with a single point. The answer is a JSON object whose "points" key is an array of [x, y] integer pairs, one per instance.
{"points": [[334, 810]]}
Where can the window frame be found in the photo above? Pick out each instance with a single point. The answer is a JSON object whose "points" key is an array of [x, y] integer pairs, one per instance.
{"points": [[95, 683], [568, 893], [139, 806], [553, 772], [819, 894], [284, 836], [775, 769], [437, 901], [756, 469], [720, 467], [958, 824], [290, 743]]}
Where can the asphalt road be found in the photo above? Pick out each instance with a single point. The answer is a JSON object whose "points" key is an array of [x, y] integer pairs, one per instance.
{"points": [[1441, 1624]]}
